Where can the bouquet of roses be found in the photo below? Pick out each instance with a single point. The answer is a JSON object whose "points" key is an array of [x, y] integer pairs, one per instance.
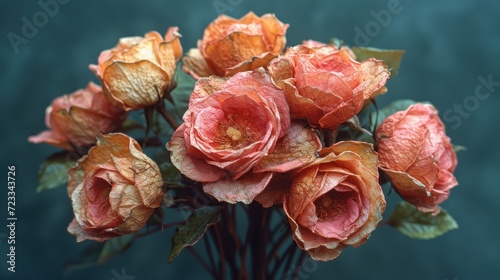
{"points": [[277, 148]]}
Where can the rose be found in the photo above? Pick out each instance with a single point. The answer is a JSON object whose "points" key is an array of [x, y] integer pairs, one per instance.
{"points": [[114, 189], [335, 201], [136, 73], [78, 118], [312, 44], [230, 125], [418, 157], [230, 132], [233, 45], [326, 85]]}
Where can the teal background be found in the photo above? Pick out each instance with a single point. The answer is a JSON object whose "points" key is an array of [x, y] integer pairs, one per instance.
{"points": [[449, 44]]}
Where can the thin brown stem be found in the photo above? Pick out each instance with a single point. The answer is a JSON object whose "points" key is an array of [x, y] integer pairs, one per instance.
{"points": [[208, 248], [232, 226], [166, 115], [279, 261], [274, 252], [222, 261], [202, 262], [257, 245], [302, 255], [159, 228]]}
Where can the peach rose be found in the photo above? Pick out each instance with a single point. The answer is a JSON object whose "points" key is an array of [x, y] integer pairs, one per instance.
{"points": [[326, 85], [230, 133], [136, 73], [312, 44], [233, 45], [114, 189], [418, 157], [78, 118], [335, 201]]}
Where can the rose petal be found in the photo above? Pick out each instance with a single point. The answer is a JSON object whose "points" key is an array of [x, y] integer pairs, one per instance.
{"points": [[192, 167], [297, 148], [277, 188], [195, 65], [252, 64], [375, 75], [135, 85], [245, 189]]}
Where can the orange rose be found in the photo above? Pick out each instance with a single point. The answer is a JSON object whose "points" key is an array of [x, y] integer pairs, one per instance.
{"points": [[312, 44], [326, 85], [77, 119], [137, 72], [114, 189], [236, 133], [418, 157], [336, 201], [233, 45]]}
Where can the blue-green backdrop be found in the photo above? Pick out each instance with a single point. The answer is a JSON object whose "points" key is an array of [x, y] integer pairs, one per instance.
{"points": [[449, 46]]}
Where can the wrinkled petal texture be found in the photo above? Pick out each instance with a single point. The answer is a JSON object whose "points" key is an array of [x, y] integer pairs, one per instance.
{"points": [[78, 118], [233, 45], [138, 70], [230, 126], [335, 201], [416, 154], [296, 149], [114, 189], [326, 85]]}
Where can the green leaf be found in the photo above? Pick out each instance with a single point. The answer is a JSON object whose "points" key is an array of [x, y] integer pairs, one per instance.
{"points": [[193, 230], [458, 148], [114, 246], [415, 224], [396, 106], [392, 58], [54, 171], [168, 171]]}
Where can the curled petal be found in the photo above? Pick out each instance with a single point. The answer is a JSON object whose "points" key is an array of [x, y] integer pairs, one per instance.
{"points": [[195, 65], [135, 85], [245, 189], [297, 148], [136, 73], [77, 119], [192, 167], [233, 45]]}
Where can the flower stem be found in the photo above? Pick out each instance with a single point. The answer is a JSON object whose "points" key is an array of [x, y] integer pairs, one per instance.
{"points": [[166, 115], [222, 261], [202, 262], [210, 254]]}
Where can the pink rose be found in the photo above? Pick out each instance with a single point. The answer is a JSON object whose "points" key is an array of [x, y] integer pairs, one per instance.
{"points": [[114, 189], [335, 201], [418, 157], [230, 133], [78, 118], [326, 85]]}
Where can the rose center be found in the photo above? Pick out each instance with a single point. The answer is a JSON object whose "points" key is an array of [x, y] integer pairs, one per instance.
{"points": [[232, 134], [328, 207]]}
